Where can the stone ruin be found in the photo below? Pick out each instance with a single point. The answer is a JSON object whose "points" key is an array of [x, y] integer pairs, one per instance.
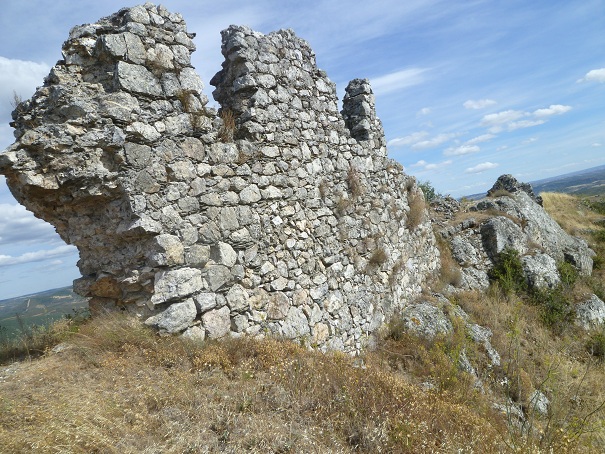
{"points": [[278, 214]]}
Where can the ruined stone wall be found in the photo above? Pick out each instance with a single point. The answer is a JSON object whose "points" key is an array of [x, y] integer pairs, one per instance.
{"points": [[278, 214]]}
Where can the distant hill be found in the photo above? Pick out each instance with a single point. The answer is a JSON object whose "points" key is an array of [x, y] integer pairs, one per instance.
{"points": [[39, 308], [586, 182], [583, 182]]}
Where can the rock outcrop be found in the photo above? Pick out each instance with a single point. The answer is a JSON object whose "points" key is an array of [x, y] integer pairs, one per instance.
{"points": [[512, 218], [278, 214]]}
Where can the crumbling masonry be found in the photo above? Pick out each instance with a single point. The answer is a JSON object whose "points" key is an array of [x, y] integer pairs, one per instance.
{"points": [[279, 214]]}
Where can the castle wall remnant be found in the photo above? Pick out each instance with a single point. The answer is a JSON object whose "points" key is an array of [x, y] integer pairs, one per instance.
{"points": [[278, 214]]}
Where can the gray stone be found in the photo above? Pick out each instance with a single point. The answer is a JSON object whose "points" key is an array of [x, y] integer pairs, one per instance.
{"points": [[223, 254], [426, 320], [174, 284], [237, 298], [590, 314], [175, 318], [217, 322], [137, 79], [195, 333], [541, 271]]}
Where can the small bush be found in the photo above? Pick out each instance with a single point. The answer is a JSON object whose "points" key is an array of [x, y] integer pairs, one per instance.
{"points": [[568, 273], [428, 190], [556, 310], [378, 257], [508, 272], [596, 344]]}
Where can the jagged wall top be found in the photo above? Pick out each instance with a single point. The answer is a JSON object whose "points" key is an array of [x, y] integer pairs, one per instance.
{"points": [[291, 220]]}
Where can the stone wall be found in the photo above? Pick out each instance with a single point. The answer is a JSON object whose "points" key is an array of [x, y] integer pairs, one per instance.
{"points": [[278, 214]]}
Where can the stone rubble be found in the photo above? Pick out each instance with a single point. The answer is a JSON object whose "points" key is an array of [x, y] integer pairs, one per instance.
{"points": [[278, 214]]}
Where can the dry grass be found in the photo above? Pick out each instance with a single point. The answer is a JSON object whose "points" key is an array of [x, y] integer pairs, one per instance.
{"points": [[559, 366], [120, 388], [354, 182], [570, 213], [227, 131], [417, 211], [450, 269]]}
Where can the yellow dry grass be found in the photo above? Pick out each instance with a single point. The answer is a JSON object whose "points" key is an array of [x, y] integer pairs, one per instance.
{"points": [[120, 388], [569, 212]]}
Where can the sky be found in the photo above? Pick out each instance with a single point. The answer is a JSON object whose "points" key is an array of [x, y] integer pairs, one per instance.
{"points": [[466, 90]]}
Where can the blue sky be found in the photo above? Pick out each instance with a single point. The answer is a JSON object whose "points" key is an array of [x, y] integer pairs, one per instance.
{"points": [[467, 90]]}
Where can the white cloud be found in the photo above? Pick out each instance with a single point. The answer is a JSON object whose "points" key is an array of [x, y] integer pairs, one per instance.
{"points": [[433, 142], [461, 150], [422, 165], [554, 109], [424, 111], [17, 225], [501, 118], [407, 140], [397, 80], [596, 144], [20, 77], [37, 256], [438, 165], [595, 75], [478, 104], [524, 124], [481, 167], [481, 138]]}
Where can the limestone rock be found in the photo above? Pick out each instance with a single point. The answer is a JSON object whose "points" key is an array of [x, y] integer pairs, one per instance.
{"points": [[175, 318], [591, 313], [541, 271], [217, 322], [426, 320]]}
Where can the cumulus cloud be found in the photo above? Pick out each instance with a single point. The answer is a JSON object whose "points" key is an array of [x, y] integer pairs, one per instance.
{"points": [[481, 138], [518, 119], [20, 77], [424, 111], [461, 150], [595, 75], [524, 124], [482, 167], [500, 118], [433, 141], [37, 256], [554, 109], [478, 104], [17, 225], [407, 140], [397, 80], [423, 165]]}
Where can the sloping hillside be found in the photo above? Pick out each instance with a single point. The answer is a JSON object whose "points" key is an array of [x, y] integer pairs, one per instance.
{"points": [[115, 386]]}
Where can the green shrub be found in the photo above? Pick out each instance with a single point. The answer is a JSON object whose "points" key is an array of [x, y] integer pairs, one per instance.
{"points": [[568, 273], [596, 344], [508, 272], [429, 191], [556, 309]]}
